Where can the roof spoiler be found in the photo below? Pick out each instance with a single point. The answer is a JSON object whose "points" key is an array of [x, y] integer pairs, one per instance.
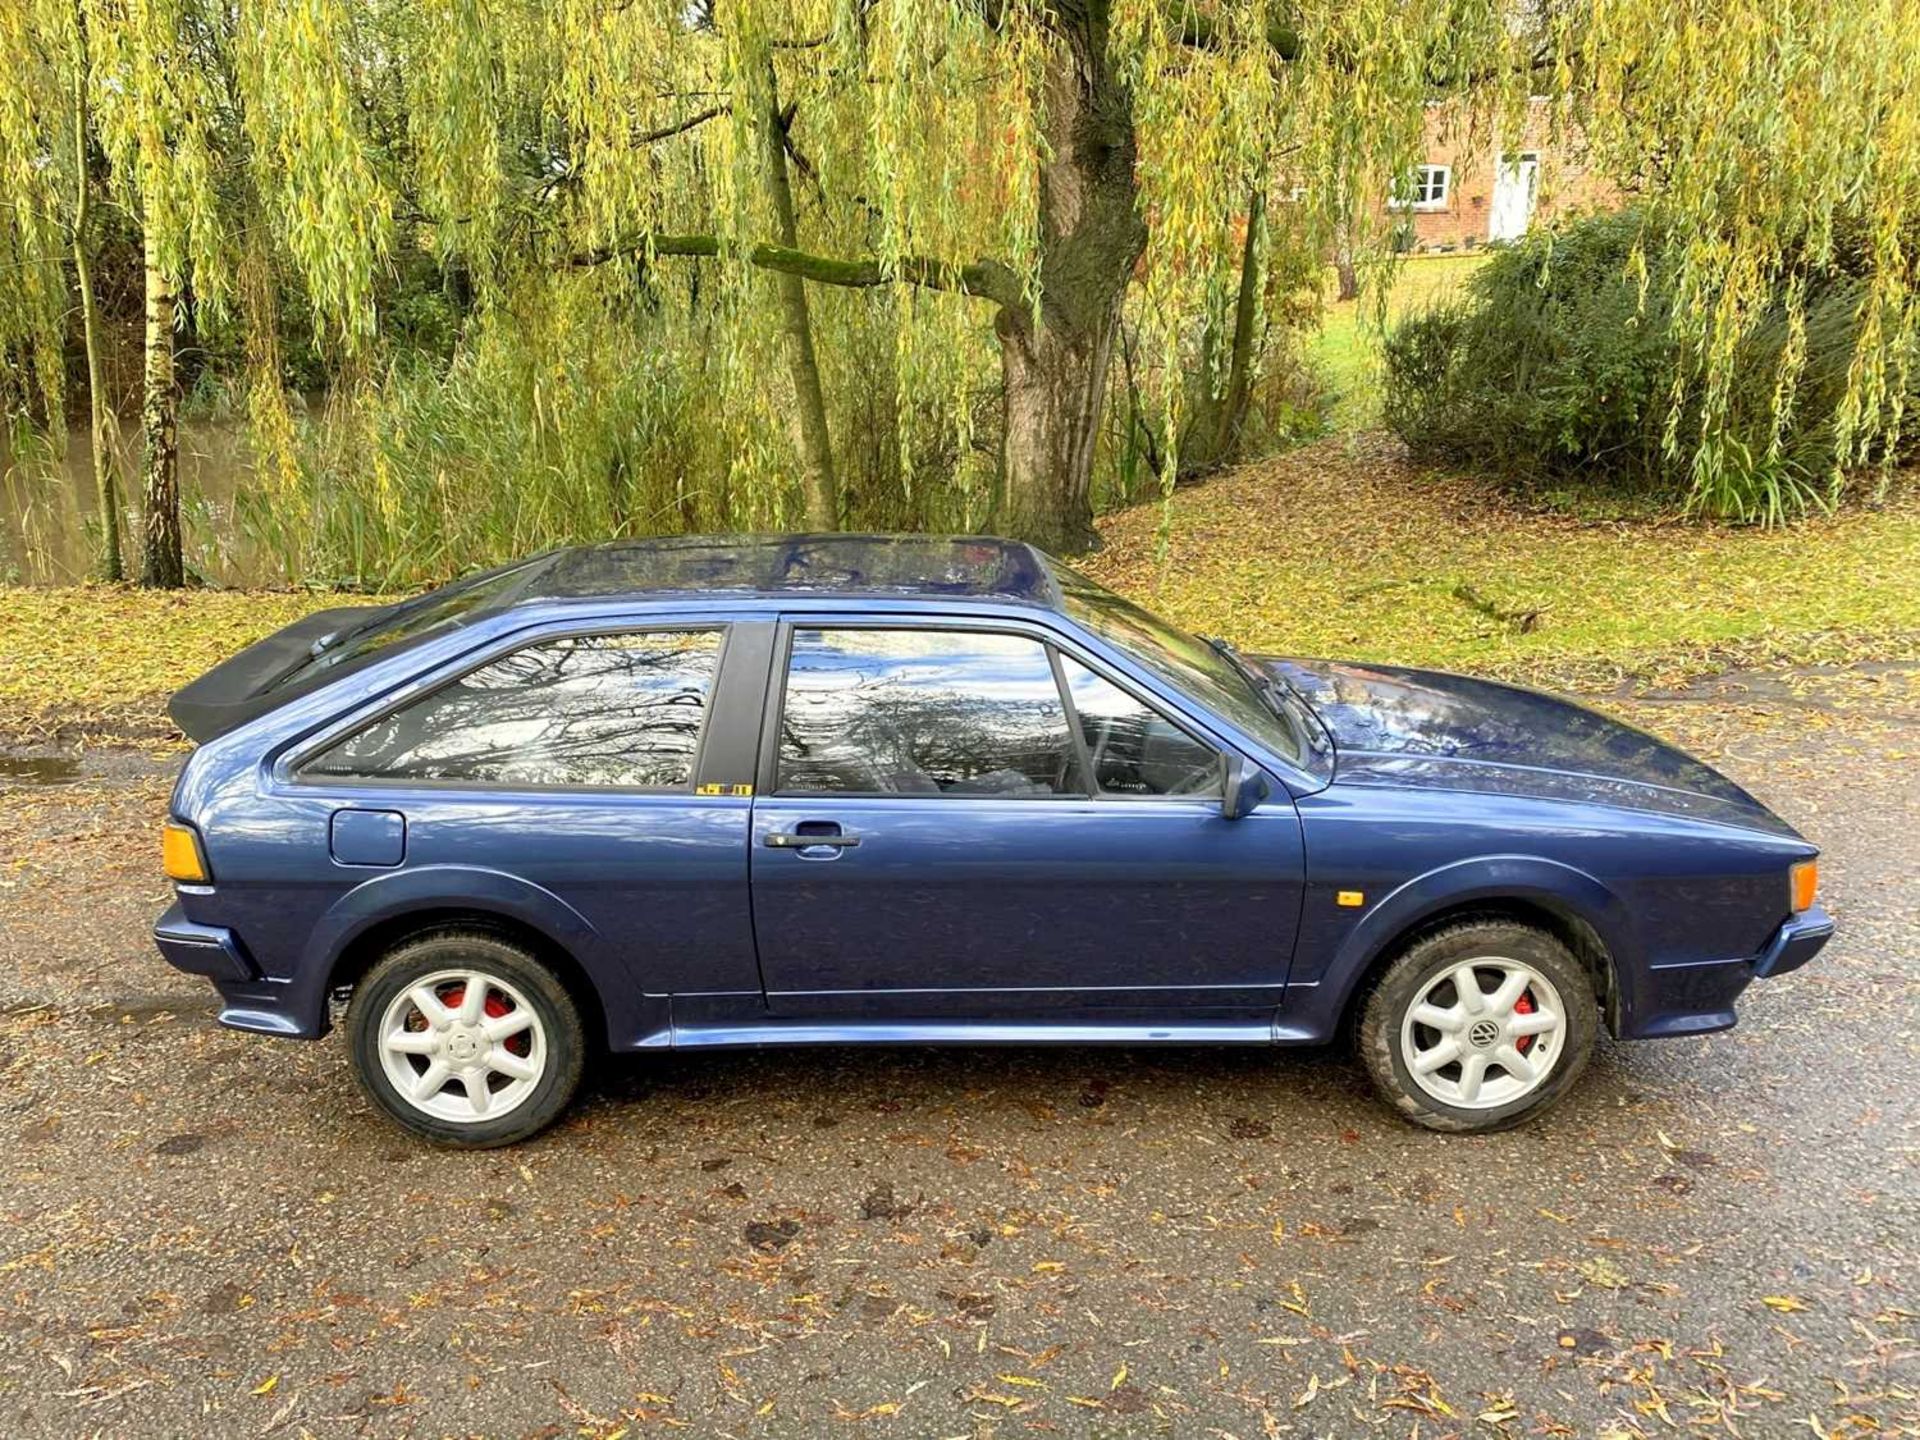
{"points": [[237, 690]]}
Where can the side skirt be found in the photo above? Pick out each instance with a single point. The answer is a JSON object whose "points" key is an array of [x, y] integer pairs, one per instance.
{"points": [[979, 1032]]}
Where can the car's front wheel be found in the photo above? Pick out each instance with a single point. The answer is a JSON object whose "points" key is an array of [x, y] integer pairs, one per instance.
{"points": [[1479, 1026], [466, 1039]]}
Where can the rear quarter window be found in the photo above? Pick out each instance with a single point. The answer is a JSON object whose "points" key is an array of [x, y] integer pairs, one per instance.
{"points": [[622, 710]]}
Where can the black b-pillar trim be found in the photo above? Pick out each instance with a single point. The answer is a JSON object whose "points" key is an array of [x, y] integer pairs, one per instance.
{"points": [[733, 723]]}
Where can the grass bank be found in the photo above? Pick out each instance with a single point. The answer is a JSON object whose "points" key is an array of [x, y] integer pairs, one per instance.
{"points": [[1345, 351], [105, 657], [1337, 549], [1344, 549]]}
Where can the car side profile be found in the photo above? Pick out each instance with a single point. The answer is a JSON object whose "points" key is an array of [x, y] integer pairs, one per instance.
{"points": [[796, 790]]}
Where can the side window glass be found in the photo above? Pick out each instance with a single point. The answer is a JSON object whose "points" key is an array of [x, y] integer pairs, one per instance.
{"points": [[923, 712], [1133, 749], [613, 710]]}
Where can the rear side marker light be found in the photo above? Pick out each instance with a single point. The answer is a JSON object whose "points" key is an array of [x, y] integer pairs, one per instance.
{"points": [[1806, 884], [180, 855]]}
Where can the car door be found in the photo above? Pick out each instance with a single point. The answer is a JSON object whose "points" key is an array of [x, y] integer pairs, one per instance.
{"points": [[963, 819]]}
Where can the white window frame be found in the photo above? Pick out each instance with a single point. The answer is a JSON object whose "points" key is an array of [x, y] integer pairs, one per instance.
{"points": [[1422, 180]]}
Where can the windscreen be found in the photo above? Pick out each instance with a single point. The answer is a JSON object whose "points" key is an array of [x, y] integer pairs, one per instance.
{"points": [[1184, 661]]}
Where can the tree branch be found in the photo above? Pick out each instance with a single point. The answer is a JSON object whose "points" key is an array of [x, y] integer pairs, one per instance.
{"points": [[649, 137], [1202, 33], [988, 279]]}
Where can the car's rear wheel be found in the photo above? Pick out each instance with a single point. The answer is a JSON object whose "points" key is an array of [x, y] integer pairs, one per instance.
{"points": [[1479, 1026], [466, 1039]]}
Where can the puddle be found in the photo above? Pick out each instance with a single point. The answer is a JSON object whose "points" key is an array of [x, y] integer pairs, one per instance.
{"points": [[38, 770]]}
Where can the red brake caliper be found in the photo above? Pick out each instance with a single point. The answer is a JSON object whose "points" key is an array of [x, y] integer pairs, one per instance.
{"points": [[1522, 1006], [495, 1007]]}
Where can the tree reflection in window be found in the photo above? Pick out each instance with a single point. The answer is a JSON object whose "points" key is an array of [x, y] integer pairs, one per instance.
{"points": [[615, 710], [923, 712], [1133, 748]]}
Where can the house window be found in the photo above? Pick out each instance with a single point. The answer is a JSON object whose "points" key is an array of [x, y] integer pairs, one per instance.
{"points": [[1425, 189]]}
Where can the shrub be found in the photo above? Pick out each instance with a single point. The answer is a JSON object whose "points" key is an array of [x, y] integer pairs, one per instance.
{"points": [[1554, 368]]}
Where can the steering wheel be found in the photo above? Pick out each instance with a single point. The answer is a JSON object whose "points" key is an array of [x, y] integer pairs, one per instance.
{"points": [[1097, 751], [1198, 781]]}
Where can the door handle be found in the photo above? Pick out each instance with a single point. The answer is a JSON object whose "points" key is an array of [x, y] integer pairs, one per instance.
{"points": [[792, 840]]}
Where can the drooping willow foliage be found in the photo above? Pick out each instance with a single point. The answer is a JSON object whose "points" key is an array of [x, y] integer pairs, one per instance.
{"points": [[868, 262], [1779, 144]]}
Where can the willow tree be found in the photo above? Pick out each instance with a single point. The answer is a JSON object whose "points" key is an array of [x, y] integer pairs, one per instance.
{"points": [[133, 84], [1025, 160], [47, 218], [1778, 143], [166, 123], [1037, 158], [1012, 173]]}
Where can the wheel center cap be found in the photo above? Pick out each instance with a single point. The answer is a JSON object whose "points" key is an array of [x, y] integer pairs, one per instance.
{"points": [[462, 1047], [1484, 1035]]}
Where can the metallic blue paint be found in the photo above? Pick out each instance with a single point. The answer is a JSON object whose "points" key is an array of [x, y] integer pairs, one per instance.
{"points": [[963, 907], [965, 920], [1393, 725]]}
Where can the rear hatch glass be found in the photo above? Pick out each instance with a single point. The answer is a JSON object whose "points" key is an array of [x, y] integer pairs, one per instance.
{"points": [[330, 643]]}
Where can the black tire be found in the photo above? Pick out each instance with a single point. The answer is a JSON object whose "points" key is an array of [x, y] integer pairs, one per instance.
{"points": [[564, 1043], [1378, 1032]]}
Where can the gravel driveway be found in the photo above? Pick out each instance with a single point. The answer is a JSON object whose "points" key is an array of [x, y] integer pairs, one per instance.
{"points": [[207, 1233]]}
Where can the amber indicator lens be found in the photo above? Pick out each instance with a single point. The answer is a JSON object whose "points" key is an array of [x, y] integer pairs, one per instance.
{"points": [[1806, 884], [180, 855]]}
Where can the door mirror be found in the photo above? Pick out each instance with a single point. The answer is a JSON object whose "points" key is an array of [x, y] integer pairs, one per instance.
{"points": [[1247, 786]]}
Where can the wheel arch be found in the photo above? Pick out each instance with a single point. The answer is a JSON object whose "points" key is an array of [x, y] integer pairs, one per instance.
{"points": [[371, 919], [367, 947], [1568, 904]]}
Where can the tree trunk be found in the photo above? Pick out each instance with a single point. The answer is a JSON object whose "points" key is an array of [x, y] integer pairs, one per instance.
{"points": [[819, 483], [1343, 263], [1091, 234], [99, 412], [160, 560], [1233, 409], [1056, 383]]}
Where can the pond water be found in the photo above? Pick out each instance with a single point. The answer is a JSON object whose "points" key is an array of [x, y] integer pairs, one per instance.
{"points": [[49, 517]]}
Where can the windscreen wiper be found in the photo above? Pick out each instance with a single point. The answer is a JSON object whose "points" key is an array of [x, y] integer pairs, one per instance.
{"points": [[1261, 682], [1274, 693]]}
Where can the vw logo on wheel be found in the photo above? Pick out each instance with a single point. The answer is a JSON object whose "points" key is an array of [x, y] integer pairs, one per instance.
{"points": [[1484, 1035]]}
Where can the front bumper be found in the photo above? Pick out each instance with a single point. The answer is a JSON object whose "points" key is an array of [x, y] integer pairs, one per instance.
{"points": [[1795, 943], [1695, 998]]}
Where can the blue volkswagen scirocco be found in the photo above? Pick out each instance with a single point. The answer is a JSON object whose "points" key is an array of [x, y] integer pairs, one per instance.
{"points": [[841, 789]]}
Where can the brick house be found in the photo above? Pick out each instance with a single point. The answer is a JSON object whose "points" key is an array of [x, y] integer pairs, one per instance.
{"points": [[1473, 190]]}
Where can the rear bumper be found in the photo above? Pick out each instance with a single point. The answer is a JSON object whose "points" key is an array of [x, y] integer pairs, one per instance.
{"points": [[1695, 998], [202, 949], [250, 999]]}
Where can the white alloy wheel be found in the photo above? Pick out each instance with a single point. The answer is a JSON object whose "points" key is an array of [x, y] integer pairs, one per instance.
{"points": [[463, 1046], [1483, 1033]]}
